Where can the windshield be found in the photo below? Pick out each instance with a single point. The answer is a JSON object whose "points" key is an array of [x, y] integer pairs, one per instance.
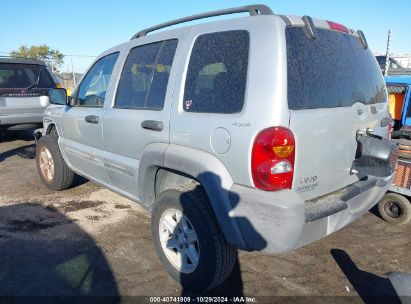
{"points": [[24, 76], [333, 70]]}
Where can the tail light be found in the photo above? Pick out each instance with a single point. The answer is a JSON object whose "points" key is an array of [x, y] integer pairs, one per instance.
{"points": [[338, 27], [272, 159]]}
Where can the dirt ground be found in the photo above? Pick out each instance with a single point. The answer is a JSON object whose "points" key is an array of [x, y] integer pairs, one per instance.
{"points": [[89, 241]]}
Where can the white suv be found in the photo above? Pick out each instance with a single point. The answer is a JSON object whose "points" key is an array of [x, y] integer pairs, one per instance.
{"points": [[24, 90], [263, 132]]}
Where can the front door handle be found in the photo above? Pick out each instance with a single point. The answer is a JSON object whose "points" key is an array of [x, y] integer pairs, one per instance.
{"points": [[91, 119], [152, 125]]}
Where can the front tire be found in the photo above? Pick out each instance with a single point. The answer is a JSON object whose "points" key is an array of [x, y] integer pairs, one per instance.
{"points": [[53, 170], [188, 239], [395, 209]]}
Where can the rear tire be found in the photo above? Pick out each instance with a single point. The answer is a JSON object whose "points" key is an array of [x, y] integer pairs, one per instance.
{"points": [[395, 209], [214, 256], [53, 131], [53, 170]]}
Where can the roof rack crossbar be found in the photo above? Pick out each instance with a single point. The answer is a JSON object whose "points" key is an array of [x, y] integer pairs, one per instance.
{"points": [[309, 27], [362, 39], [256, 9]]}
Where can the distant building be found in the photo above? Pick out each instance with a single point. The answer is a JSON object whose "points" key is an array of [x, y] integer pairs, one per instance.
{"points": [[402, 58], [67, 80], [399, 64]]}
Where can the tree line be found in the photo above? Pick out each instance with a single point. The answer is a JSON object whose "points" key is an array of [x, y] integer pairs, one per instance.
{"points": [[54, 59]]}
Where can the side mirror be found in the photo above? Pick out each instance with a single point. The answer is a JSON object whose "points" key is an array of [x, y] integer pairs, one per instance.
{"points": [[58, 96]]}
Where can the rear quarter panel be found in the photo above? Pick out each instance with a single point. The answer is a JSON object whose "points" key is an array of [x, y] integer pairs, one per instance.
{"points": [[265, 97]]}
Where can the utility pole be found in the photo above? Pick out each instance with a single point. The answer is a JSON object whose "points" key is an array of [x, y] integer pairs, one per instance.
{"points": [[74, 75], [387, 54]]}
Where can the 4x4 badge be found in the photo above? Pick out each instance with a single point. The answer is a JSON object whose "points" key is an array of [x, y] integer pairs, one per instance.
{"points": [[241, 124]]}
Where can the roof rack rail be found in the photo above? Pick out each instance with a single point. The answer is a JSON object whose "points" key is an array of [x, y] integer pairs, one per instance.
{"points": [[255, 9]]}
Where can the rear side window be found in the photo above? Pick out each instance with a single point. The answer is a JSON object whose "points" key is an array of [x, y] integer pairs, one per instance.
{"points": [[333, 70], [217, 73], [144, 80]]}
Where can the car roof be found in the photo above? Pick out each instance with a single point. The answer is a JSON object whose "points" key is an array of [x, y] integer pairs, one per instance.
{"points": [[21, 61], [162, 31], [398, 79]]}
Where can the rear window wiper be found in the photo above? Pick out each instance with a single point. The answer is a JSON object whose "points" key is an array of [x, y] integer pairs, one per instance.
{"points": [[31, 86], [34, 84]]}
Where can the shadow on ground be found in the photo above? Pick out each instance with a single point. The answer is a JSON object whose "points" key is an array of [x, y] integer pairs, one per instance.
{"points": [[370, 287], [44, 253], [25, 135], [374, 211], [28, 151]]}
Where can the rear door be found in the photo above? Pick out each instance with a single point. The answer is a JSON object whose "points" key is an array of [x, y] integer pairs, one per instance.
{"points": [[335, 88], [81, 136], [140, 113]]}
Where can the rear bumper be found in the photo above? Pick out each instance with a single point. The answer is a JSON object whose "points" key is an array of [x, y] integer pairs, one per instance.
{"points": [[278, 222], [20, 119], [337, 201]]}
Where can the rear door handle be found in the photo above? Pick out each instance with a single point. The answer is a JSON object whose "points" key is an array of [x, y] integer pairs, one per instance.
{"points": [[91, 119], [152, 125]]}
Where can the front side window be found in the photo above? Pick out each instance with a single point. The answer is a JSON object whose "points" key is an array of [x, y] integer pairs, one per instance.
{"points": [[217, 73], [144, 80], [93, 88]]}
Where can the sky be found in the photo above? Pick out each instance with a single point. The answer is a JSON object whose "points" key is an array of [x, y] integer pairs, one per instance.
{"points": [[82, 29]]}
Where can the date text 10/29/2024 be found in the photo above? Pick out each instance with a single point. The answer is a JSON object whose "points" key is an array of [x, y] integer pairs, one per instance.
{"points": [[200, 299]]}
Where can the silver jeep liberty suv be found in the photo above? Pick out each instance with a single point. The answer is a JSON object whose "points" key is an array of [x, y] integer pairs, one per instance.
{"points": [[261, 133]]}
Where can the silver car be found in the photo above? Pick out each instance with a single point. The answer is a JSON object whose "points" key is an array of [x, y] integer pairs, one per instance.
{"points": [[264, 132], [24, 90]]}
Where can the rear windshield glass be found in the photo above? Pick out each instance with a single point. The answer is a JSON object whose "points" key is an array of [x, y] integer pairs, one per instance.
{"points": [[333, 70], [24, 76]]}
